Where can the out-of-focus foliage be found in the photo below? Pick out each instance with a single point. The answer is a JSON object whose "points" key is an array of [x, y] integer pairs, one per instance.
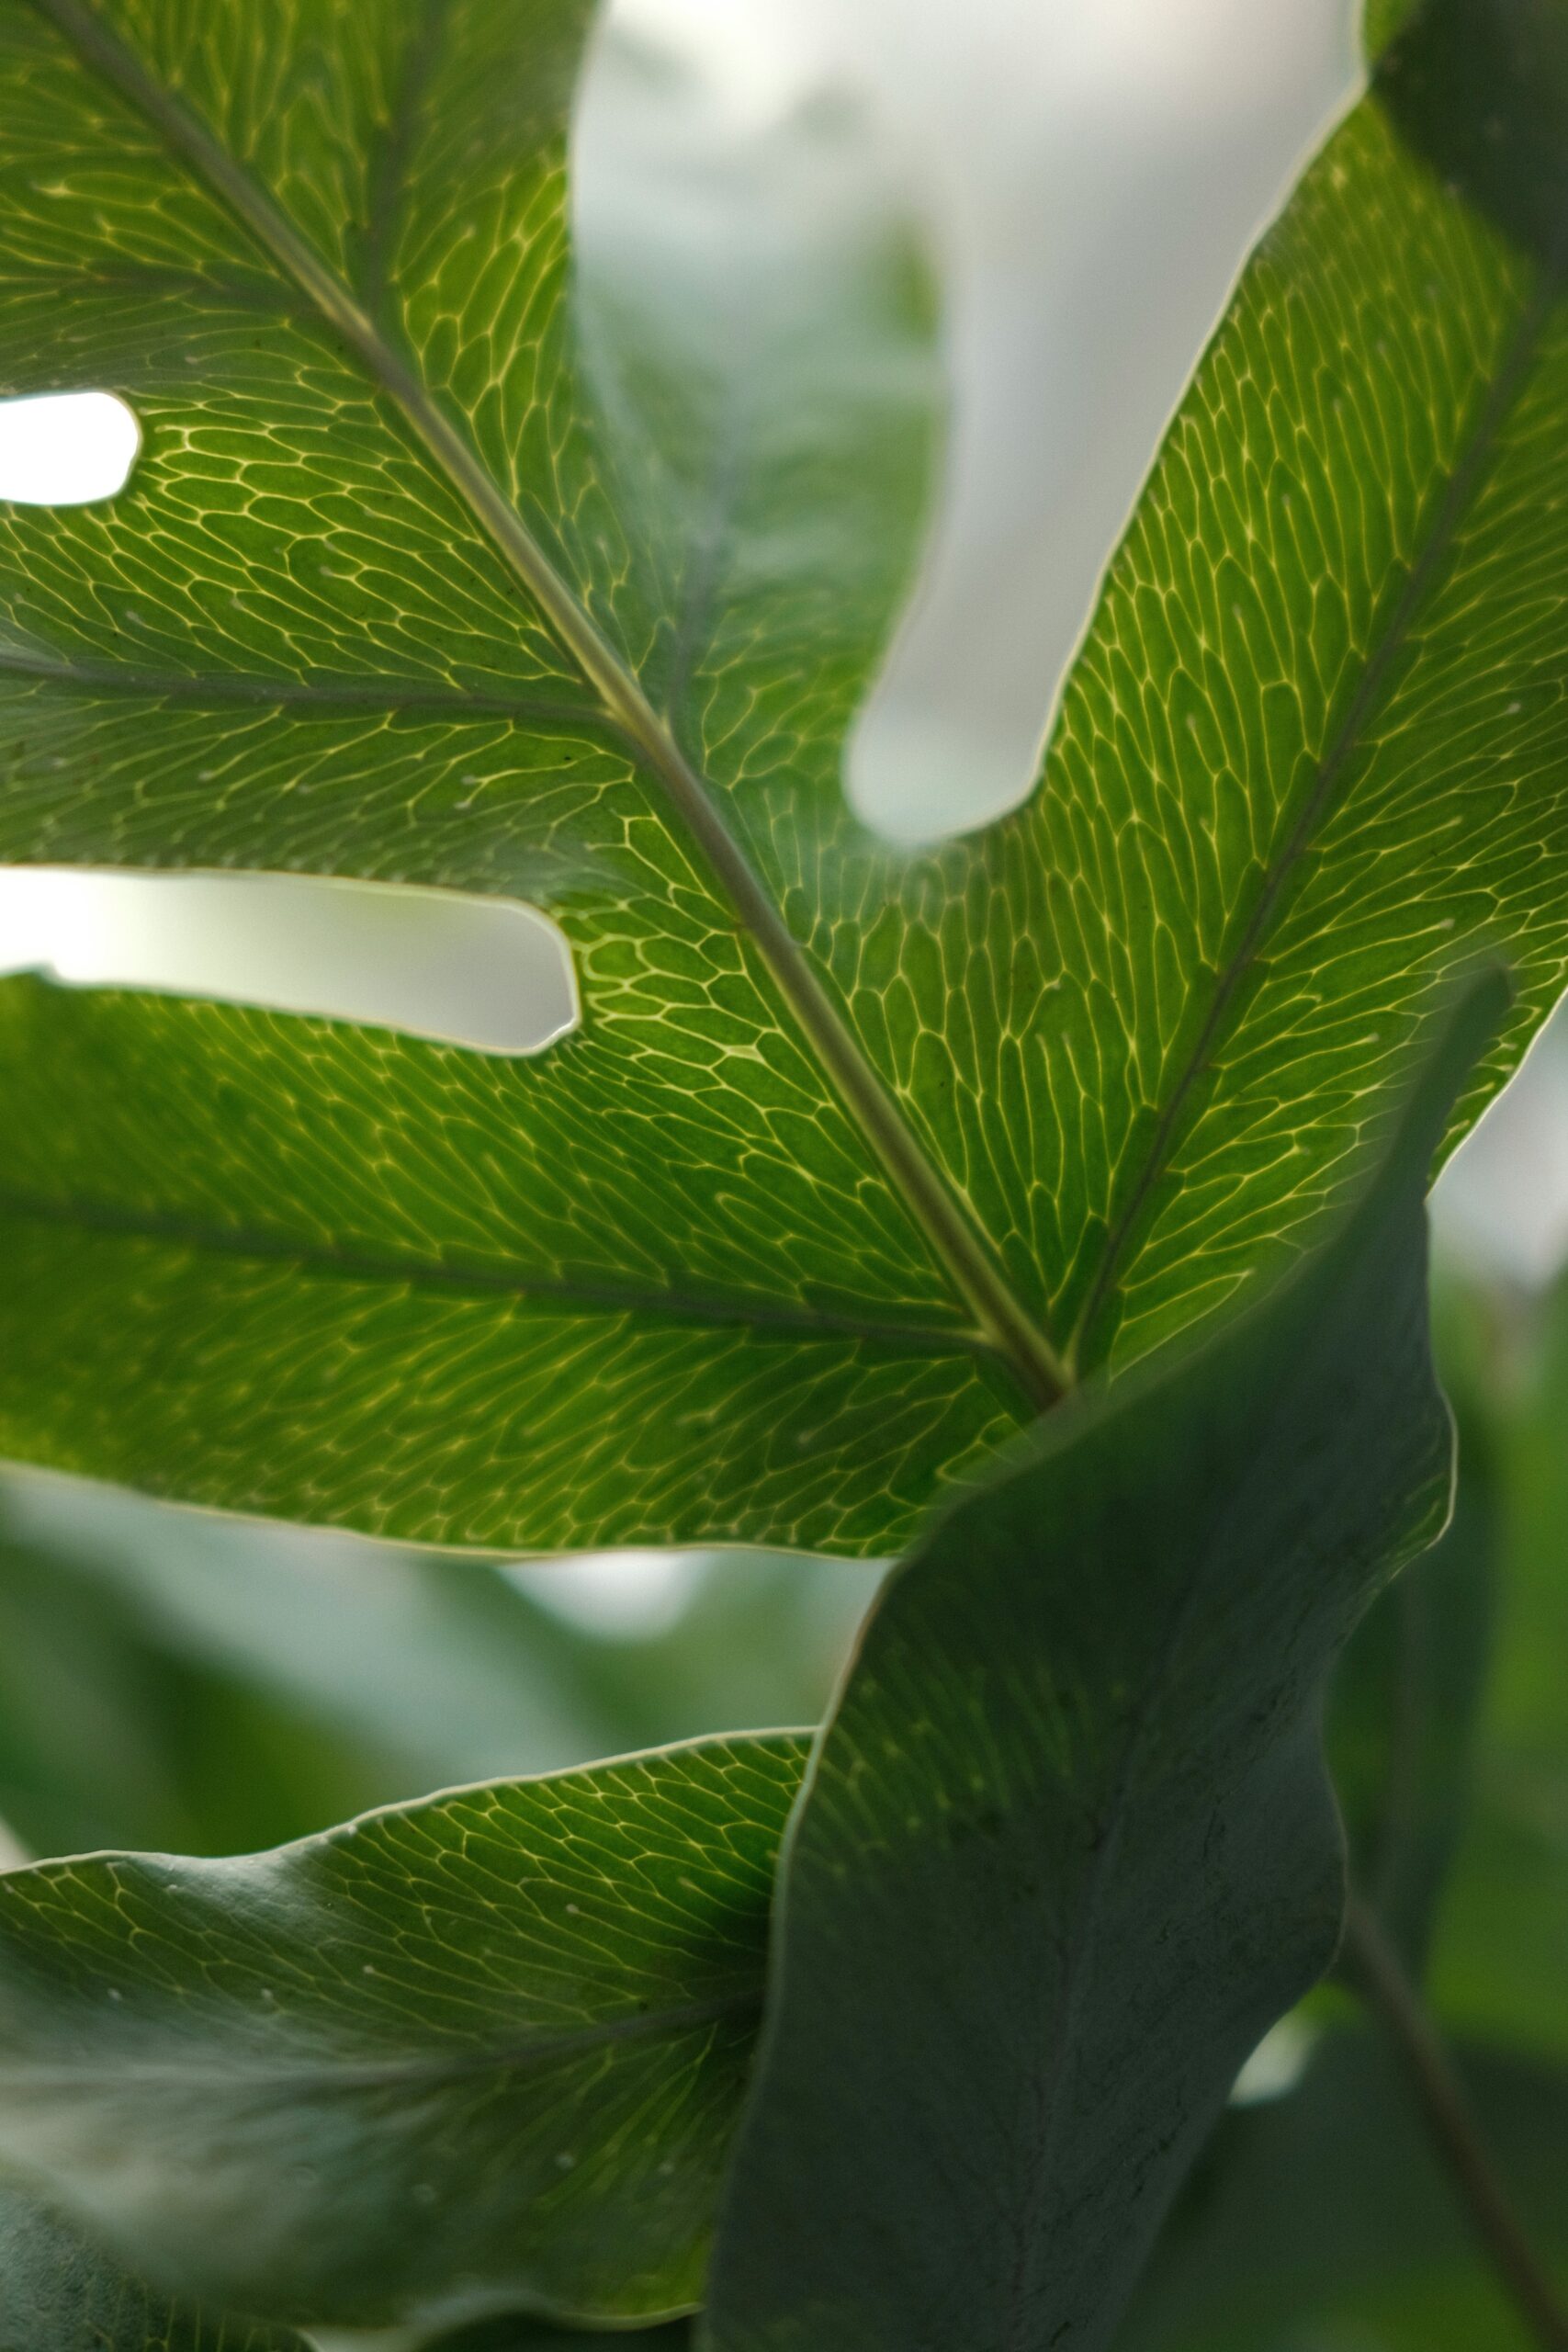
{"points": [[1500, 1969], [1320, 2222], [175, 1682]]}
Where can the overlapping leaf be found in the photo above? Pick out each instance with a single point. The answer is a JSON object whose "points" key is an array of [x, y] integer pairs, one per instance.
{"points": [[1067, 1846], [474, 2054], [849, 1148]]}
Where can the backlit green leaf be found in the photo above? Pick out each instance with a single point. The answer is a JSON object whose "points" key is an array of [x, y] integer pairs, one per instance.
{"points": [[440, 565], [483, 2051], [1067, 1846]]}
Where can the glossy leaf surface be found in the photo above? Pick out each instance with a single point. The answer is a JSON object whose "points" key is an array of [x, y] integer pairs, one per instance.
{"points": [[1067, 1846], [480, 2051], [1091, 1071]]}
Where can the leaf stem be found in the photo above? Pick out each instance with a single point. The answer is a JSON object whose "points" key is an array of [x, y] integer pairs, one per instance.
{"points": [[1373, 1968], [1003, 1322]]}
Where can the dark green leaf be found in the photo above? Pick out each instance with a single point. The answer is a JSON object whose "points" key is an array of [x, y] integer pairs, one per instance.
{"points": [[481, 2051], [427, 574], [1067, 1846], [1323, 2220], [59, 2293]]}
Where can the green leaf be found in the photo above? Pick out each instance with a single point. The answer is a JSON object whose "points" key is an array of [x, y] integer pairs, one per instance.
{"points": [[431, 573], [483, 2051], [1067, 1846], [61, 2293], [1322, 2219]]}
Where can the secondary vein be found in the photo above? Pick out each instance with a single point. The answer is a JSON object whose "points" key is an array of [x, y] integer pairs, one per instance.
{"points": [[263, 1248], [956, 1244]]}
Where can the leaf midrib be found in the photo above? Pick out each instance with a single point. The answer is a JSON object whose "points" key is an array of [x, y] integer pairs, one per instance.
{"points": [[249, 1244], [956, 1244], [1449, 507]]}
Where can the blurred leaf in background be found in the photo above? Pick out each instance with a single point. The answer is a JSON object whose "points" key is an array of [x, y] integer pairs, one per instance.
{"points": [[176, 1682]]}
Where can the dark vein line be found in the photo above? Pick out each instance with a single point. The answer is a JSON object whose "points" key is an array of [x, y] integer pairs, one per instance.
{"points": [[955, 1243], [1460, 487], [394, 695], [249, 1243], [546, 2048]]}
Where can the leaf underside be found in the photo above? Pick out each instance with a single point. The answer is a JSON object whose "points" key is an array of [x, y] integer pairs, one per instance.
{"points": [[482, 2052], [673, 1281]]}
